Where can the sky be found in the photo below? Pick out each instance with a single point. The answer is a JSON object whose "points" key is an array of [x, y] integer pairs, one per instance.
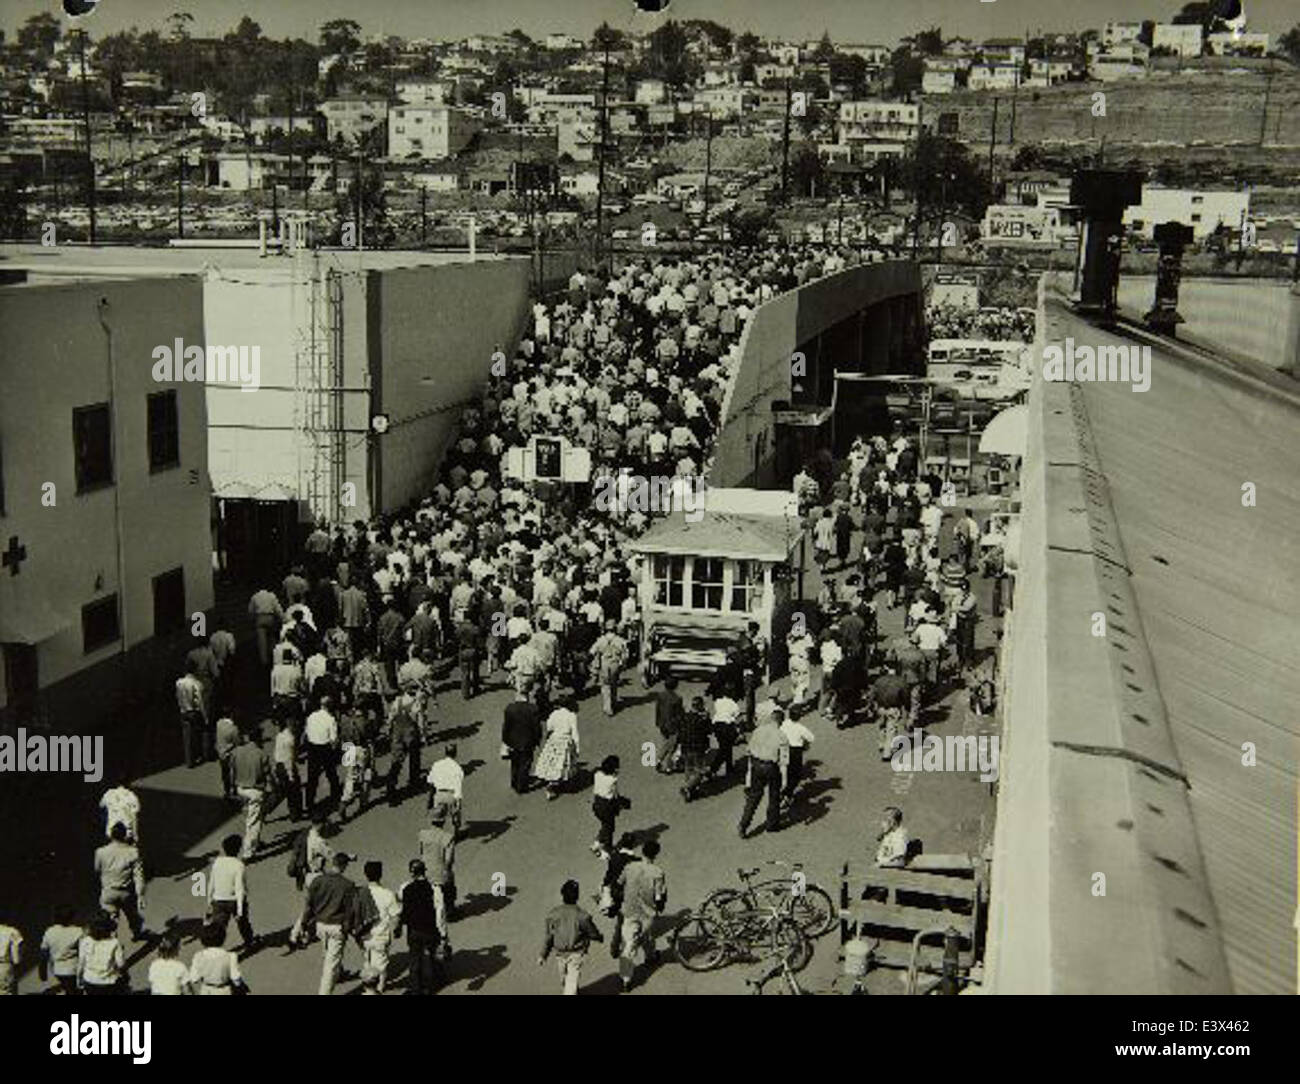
{"points": [[873, 21]]}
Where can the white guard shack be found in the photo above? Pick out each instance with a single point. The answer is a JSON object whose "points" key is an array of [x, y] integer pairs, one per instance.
{"points": [[706, 576]]}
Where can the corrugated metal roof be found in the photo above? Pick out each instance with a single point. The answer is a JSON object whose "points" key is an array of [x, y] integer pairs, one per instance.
{"points": [[722, 534], [1218, 589]]}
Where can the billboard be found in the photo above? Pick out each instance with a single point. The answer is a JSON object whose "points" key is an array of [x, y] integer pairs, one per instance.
{"points": [[1021, 226]]}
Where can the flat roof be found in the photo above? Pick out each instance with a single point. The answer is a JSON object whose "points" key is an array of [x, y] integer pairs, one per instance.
{"points": [[129, 261]]}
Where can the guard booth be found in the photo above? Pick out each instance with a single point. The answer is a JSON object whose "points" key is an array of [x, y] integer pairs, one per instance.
{"points": [[709, 571]]}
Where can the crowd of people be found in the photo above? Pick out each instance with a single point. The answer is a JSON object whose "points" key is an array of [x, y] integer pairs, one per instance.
{"points": [[992, 323], [489, 574]]}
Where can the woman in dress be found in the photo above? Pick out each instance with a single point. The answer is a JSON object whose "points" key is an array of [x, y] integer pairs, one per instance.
{"points": [[557, 757]]}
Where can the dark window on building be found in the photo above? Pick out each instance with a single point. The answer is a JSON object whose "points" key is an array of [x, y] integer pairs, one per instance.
{"points": [[169, 602], [164, 431], [92, 444], [99, 624]]}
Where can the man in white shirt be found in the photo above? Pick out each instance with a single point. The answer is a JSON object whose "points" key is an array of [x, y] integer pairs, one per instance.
{"points": [[446, 785], [227, 893], [892, 841], [931, 637], [379, 937], [121, 806], [799, 737], [321, 736]]}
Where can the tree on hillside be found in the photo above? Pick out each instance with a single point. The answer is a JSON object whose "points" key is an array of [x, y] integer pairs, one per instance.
{"points": [[719, 36], [825, 50], [906, 69], [1148, 32], [1289, 43], [179, 24], [340, 36], [39, 35], [850, 70], [943, 169], [608, 36], [930, 42]]}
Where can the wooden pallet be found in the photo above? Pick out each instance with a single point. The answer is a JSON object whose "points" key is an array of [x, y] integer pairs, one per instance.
{"points": [[931, 891]]}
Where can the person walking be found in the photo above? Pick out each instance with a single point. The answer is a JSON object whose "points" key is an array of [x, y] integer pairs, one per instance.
{"points": [[214, 970], [228, 893], [568, 932], [101, 962], [288, 782], [609, 656], [695, 730], [168, 976], [322, 740], [424, 931], [252, 774], [406, 745], [227, 740], [606, 804], [447, 785], [521, 733], [726, 716], [468, 646], [645, 894], [327, 905], [799, 738], [378, 938], [769, 752], [121, 806], [121, 881], [59, 950], [668, 721], [267, 614], [557, 758], [190, 704], [437, 845]]}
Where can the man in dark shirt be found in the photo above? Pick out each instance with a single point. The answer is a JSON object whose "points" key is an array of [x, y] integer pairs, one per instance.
{"points": [[329, 897], [419, 918], [569, 932], [467, 642], [892, 695], [521, 732], [391, 628], [668, 715], [695, 731]]}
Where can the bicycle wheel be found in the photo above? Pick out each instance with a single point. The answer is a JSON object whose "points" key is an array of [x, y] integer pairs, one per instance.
{"points": [[789, 942], [812, 908], [726, 904], [698, 944]]}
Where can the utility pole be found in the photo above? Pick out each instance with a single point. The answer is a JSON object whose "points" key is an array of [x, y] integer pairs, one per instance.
{"points": [[180, 195], [708, 162], [600, 172], [361, 233], [785, 145], [1263, 119], [993, 137], [85, 117], [424, 217]]}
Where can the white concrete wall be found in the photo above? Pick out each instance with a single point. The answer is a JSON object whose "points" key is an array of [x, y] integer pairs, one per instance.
{"points": [[54, 357]]}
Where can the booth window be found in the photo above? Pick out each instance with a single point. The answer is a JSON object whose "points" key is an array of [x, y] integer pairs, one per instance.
{"points": [[746, 586], [670, 579], [706, 583]]}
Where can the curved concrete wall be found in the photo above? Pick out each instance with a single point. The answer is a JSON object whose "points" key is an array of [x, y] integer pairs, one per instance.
{"points": [[746, 443]]}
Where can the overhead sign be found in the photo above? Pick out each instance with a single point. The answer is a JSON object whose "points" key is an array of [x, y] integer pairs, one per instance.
{"points": [[549, 459]]}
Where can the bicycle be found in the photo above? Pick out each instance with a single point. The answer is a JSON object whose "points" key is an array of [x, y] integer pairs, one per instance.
{"points": [[706, 940], [808, 904]]}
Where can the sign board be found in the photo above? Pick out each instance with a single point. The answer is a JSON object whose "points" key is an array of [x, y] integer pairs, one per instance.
{"points": [[955, 289], [548, 459], [1021, 226]]}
